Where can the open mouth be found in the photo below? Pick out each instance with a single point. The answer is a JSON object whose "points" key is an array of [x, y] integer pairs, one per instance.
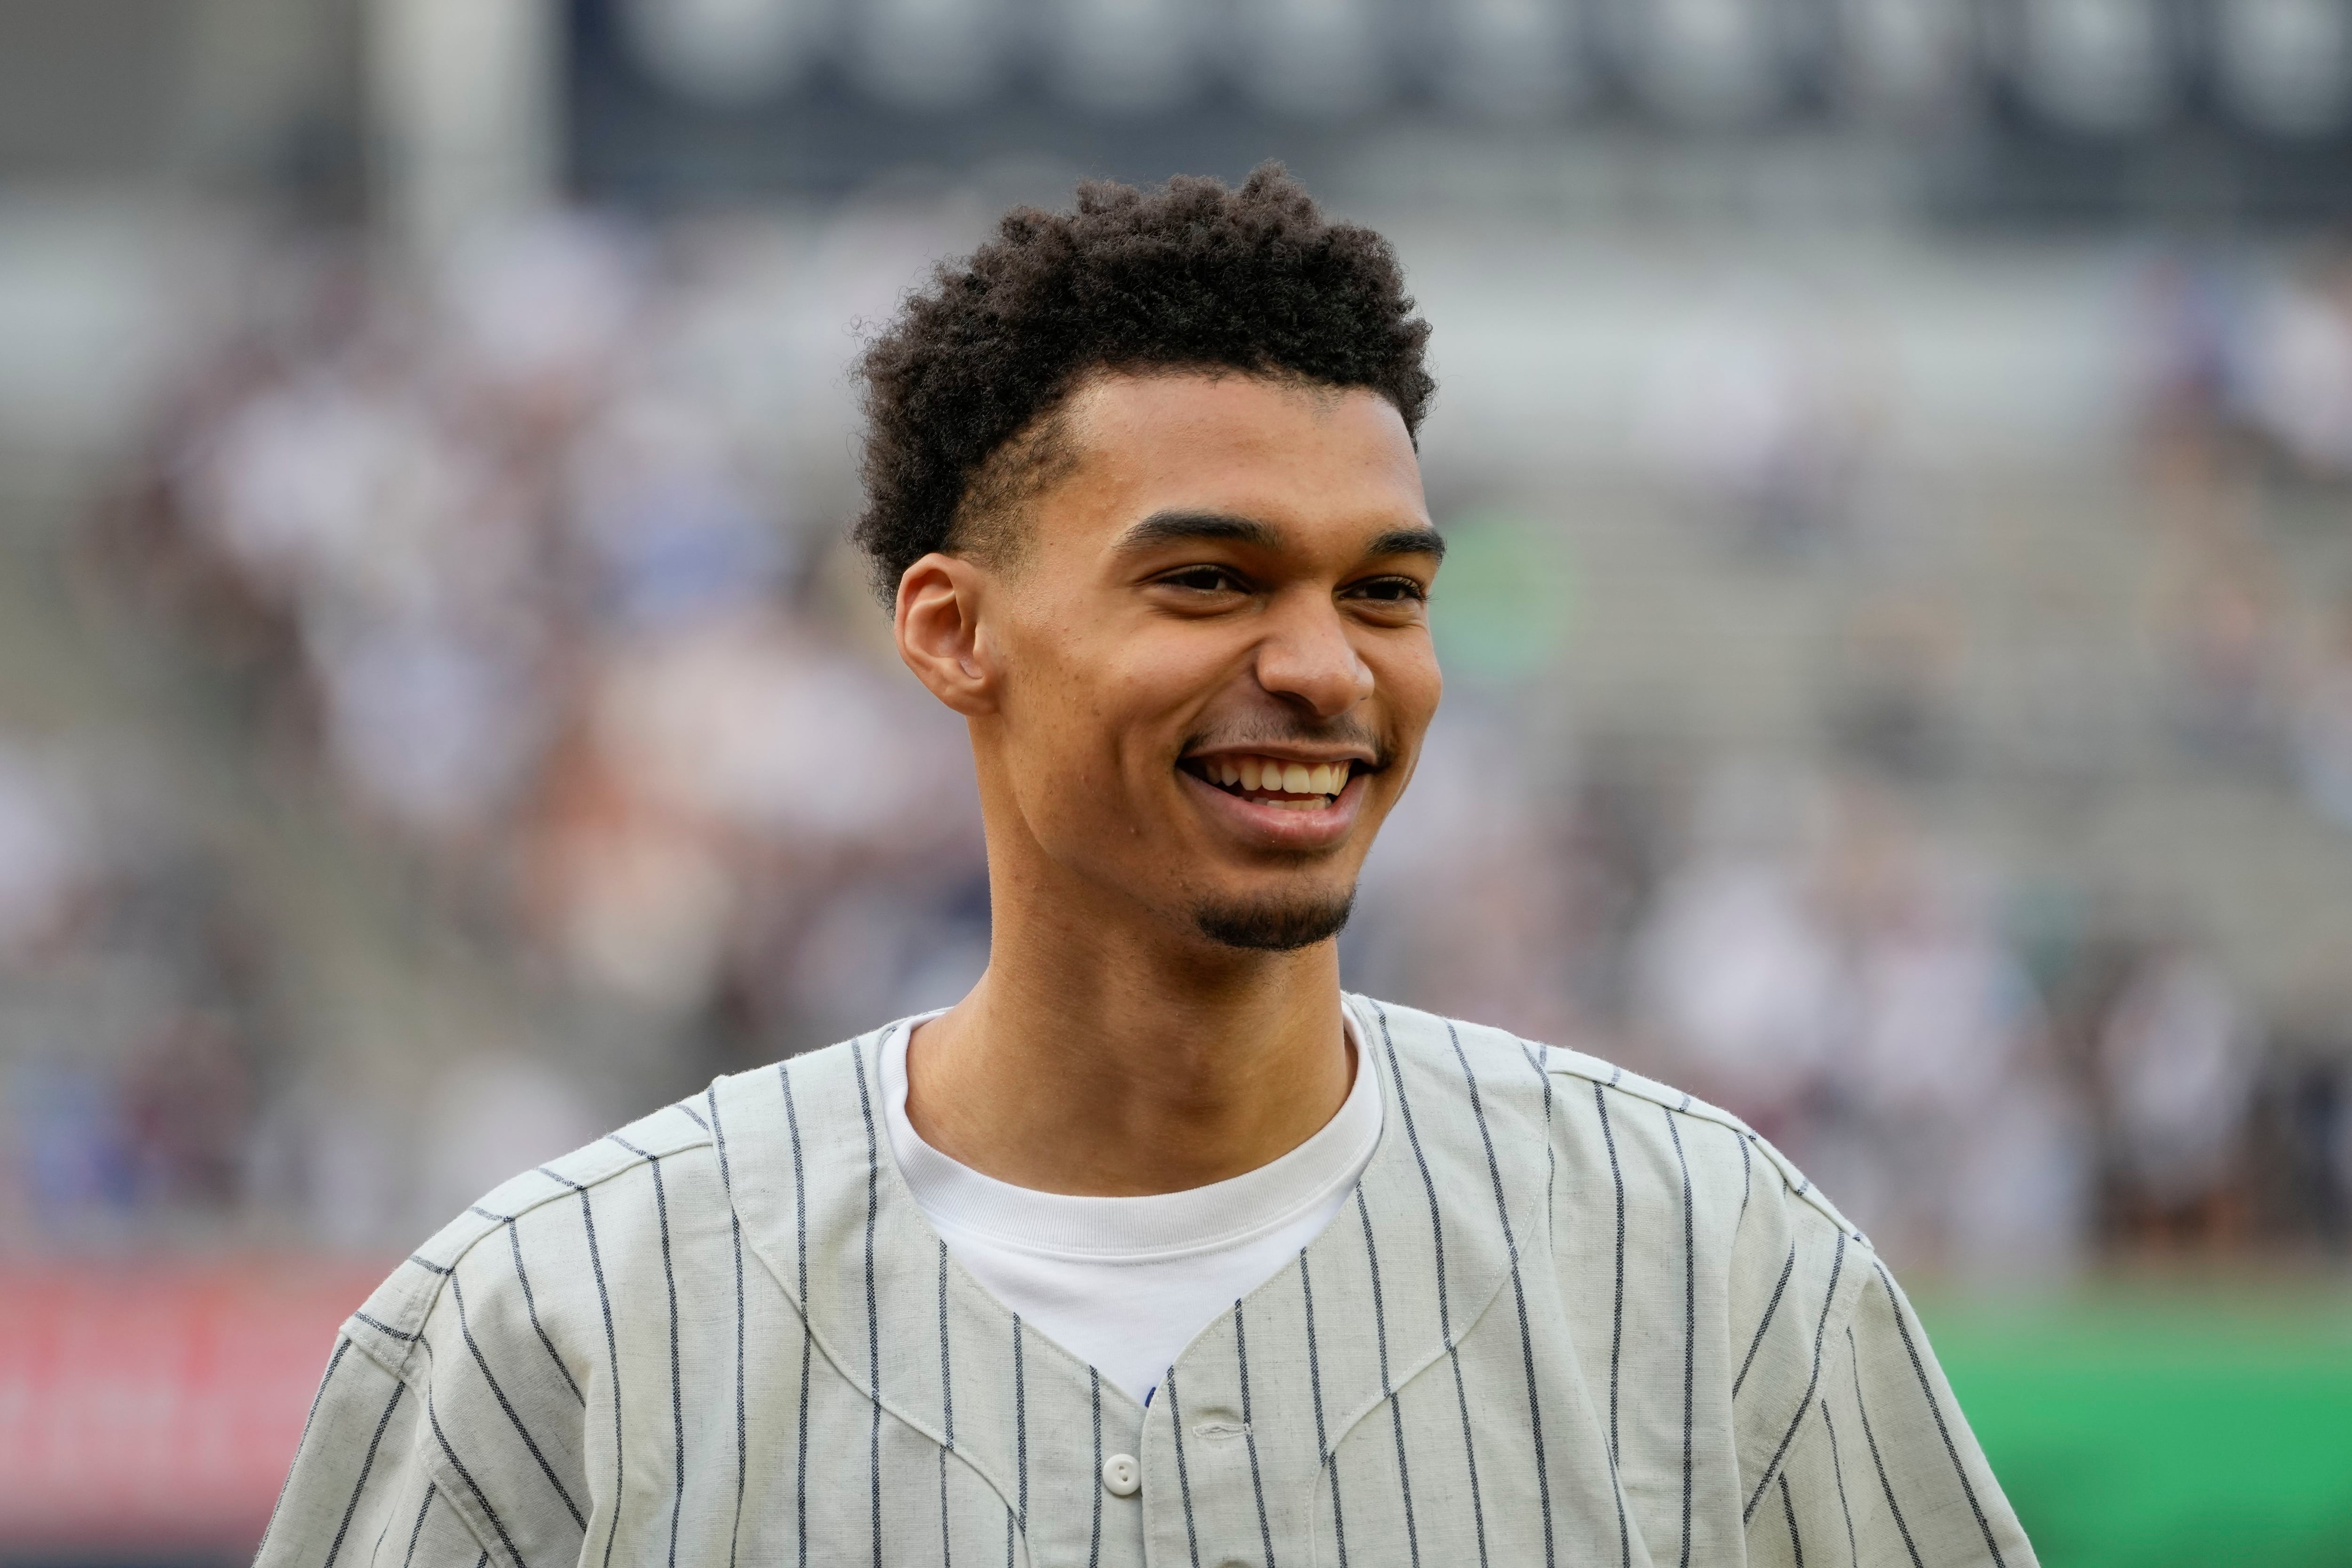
{"points": [[1271, 781]]}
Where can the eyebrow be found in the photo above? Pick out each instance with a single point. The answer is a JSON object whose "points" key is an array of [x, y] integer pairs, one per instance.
{"points": [[1180, 527], [1410, 541]]}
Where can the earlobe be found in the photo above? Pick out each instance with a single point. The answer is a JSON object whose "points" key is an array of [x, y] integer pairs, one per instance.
{"points": [[938, 628]]}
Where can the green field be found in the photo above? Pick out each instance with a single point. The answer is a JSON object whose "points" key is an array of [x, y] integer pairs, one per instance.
{"points": [[2148, 1424]]}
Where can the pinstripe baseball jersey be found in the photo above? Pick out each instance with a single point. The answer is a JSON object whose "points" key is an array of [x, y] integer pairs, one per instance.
{"points": [[1570, 1316]]}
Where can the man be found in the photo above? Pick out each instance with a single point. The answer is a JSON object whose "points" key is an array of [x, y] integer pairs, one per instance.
{"points": [[1156, 1248]]}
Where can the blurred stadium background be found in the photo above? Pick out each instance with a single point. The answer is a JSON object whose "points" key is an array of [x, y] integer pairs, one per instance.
{"points": [[1899, 456]]}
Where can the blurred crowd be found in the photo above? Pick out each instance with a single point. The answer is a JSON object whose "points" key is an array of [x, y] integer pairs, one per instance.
{"points": [[512, 563], [509, 567], [2251, 388], [531, 569]]}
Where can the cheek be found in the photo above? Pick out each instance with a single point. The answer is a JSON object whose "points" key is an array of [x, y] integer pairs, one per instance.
{"points": [[1413, 683], [1145, 699], [1085, 729]]}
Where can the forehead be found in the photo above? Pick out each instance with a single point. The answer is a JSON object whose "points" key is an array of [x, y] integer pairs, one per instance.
{"points": [[1248, 446]]}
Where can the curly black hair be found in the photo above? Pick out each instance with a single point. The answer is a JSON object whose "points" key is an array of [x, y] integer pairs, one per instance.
{"points": [[961, 390]]}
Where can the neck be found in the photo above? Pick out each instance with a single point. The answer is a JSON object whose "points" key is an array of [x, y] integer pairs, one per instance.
{"points": [[1100, 1056]]}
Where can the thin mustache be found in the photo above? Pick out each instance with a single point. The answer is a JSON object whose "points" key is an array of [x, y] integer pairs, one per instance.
{"points": [[1339, 733]]}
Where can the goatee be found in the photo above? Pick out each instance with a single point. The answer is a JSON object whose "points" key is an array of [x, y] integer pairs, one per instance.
{"points": [[1275, 925]]}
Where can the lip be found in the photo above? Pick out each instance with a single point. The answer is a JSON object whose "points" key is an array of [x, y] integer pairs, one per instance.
{"points": [[1272, 826]]}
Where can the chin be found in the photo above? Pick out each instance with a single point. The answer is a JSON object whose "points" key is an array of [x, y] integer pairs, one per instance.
{"points": [[1276, 923]]}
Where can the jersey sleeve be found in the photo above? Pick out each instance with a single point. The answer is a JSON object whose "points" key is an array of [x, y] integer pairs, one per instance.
{"points": [[358, 1486], [453, 1443], [1883, 1466]]}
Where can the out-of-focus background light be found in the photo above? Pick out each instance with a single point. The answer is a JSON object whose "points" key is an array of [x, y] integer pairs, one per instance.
{"points": [[1898, 461]]}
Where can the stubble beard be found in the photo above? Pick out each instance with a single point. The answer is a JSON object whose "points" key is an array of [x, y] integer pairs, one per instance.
{"points": [[1279, 924]]}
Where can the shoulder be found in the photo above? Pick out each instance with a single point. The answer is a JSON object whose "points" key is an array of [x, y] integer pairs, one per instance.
{"points": [[1581, 1102], [1452, 1051], [1767, 1172], [393, 1323]]}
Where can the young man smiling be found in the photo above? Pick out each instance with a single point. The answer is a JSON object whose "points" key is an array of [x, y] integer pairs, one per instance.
{"points": [[1156, 1248]]}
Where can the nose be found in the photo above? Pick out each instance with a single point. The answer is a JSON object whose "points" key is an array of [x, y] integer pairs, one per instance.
{"points": [[1308, 661]]}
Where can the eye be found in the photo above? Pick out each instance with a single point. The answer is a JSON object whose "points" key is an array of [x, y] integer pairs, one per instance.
{"points": [[1205, 579], [1390, 590]]}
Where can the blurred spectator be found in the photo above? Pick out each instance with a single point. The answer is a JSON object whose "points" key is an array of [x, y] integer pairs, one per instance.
{"points": [[1766, 427], [1895, 713], [2226, 676], [1974, 1153], [1738, 970], [2175, 1065], [132, 1015], [45, 862], [2323, 724], [2299, 373]]}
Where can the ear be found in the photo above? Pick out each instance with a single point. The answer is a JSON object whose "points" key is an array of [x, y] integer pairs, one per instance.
{"points": [[938, 628]]}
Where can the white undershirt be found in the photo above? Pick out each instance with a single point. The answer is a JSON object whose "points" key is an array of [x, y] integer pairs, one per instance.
{"points": [[1124, 1284]]}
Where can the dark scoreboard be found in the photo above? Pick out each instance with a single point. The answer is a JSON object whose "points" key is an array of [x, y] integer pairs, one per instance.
{"points": [[1999, 109]]}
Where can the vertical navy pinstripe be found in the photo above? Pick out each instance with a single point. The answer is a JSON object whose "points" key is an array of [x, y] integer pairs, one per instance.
{"points": [[808, 1336], [1249, 1436], [1323, 1454], [1094, 1536], [1020, 1425], [1444, 1311], [1690, 1322], [947, 1410], [1828, 1297], [432, 1419], [613, 1359], [677, 1386], [1388, 1390], [366, 1464], [1772, 1305], [1184, 1477], [530, 1306], [872, 1314], [1519, 1289], [1837, 1473], [742, 1430], [1616, 1330], [1871, 1438], [1935, 1408], [531, 1444], [418, 1528]]}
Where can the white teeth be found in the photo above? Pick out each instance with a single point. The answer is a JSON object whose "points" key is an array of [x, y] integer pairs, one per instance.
{"points": [[1269, 775]]}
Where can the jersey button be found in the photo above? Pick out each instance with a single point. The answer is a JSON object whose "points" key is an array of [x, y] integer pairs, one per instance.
{"points": [[1122, 1477]]}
